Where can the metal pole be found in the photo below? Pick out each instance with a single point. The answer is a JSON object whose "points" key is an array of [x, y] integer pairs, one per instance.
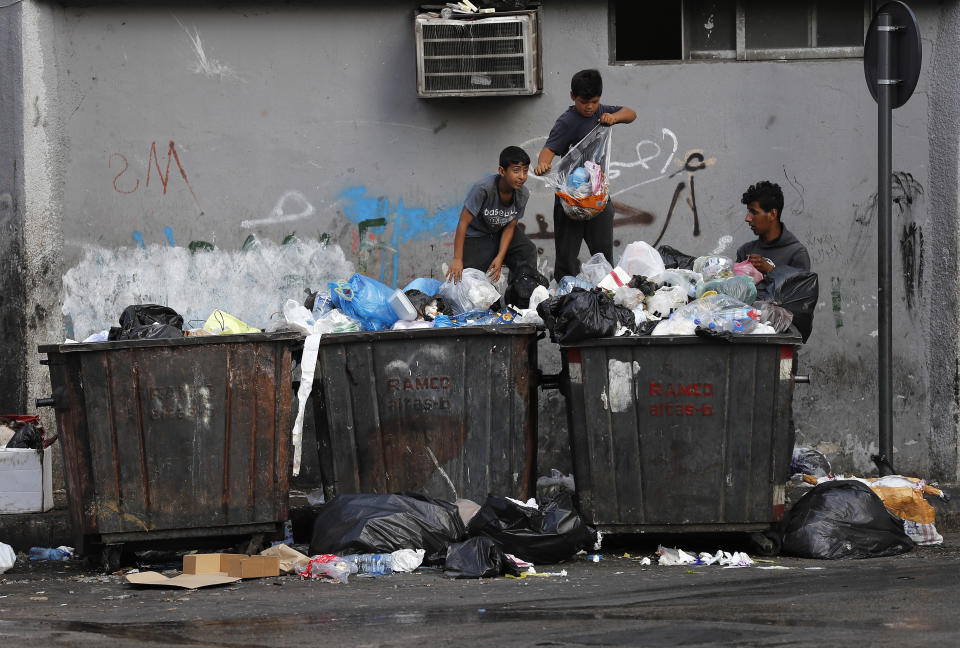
{"points": [[885, 32]]}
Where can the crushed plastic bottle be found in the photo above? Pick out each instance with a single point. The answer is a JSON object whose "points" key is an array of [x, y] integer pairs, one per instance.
{"points": [[380, 564]]}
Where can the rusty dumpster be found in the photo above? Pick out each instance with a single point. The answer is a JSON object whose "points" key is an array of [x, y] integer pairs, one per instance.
{"points": [[446, 412], [174, 438]]}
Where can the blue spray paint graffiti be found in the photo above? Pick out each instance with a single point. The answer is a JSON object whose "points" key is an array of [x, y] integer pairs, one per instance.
{"points": [[138, 238], [409, 223], [169, 233]]}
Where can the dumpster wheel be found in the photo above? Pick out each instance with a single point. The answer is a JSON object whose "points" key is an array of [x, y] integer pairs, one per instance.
{"points": [[766, 543]]}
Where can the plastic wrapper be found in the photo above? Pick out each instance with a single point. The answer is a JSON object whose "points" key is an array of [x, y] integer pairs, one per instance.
{"points": [[365, 300], [522, 287], [843, 519], [747, 269], [639, 258], [477, 557], [579, 315], [545, 535], [674, 258], [686, 279], [367, 523], [580, 179], [8, 557], [713, 267], [776, 316], [473, 292], [808, 461], [595, 269], [221, 323], [568, 283], [739, 287], [333, 321], [666, 300], [326, 566], [628, 297]]}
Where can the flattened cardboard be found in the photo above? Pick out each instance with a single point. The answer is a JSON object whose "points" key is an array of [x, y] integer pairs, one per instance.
{"points": [[184, 581]]}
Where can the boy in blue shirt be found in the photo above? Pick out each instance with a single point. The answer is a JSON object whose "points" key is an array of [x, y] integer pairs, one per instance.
{"points": [[586, 86], [487, 236]]}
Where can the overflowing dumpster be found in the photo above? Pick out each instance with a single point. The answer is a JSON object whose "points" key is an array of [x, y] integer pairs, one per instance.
{"points": [[681, 433], [174, 438], [446, 412]]}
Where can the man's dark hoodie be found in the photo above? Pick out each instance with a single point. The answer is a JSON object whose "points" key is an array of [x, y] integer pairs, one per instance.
{"points": [[785, 250]]}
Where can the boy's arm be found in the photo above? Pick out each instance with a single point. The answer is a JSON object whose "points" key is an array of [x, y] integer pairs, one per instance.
{"points": [[455, 271], [623, 116], [543, 162], [506, 235]]}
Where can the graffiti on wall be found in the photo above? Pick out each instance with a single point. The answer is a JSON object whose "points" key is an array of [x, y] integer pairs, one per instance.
{"points": [[127, 179]]}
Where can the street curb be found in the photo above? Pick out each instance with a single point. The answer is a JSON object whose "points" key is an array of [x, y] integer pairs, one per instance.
{"points": [[52, 528]]}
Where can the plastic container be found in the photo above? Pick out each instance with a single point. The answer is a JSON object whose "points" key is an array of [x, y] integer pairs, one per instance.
{"points": [[45, 554], [401, 305], [380, 564]]}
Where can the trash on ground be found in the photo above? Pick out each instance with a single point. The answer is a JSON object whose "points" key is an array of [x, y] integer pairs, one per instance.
{"points": [[327, 567], [546, 535], [233, 565], [8, 557], [291, 560], [477, 557], [843, 519], [184, 581], [47, 554], [367, 523]]}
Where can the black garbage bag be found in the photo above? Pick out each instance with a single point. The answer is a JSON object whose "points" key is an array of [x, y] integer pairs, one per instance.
{"points": [[796, 290], [843, 519], [643, 285], [625, 317], [547, 535], [27, 435], [807, 461], [579, 315], [426, 306], [477, 557], [137, 322], [367, 523], [674, 258], [522, 286]]}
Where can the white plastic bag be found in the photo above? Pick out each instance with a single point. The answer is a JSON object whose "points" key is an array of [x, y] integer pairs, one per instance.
{"points": [[7, 557], [594, 270], [639, 258], [473, 292], [666, 300], [406, 560]]}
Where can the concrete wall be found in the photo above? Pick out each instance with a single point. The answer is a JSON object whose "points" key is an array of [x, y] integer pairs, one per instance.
{"points": [[185, 123]]}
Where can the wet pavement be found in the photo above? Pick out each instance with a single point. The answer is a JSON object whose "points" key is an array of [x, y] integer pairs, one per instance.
{"points": [[901, 600]]}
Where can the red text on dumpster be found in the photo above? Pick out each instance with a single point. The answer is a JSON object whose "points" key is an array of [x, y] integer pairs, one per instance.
{"points": [[418, 393], [694, 391]]}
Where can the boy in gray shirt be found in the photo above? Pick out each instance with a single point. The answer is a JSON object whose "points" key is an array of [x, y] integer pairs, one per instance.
{"points": [[487, 235]]}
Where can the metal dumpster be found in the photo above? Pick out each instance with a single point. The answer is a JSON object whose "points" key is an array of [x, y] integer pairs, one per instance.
{"points": [[446, 412], [174, 438], [681, 434]]}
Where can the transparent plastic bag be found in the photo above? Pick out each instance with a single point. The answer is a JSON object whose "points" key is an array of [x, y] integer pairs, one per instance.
{"points": [[666, 300], [686, 279], [595, 269], [568, 283], [639, 258], [580, 178], [713, 267], [776, 316], [747, 268], [473, 292]]}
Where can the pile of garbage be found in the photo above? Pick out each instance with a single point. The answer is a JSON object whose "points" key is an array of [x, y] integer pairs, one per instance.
{"points": [[372, 535]]}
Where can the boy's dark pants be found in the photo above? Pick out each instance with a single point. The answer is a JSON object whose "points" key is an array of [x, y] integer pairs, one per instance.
{"points": [[597, 232], [479, 252]]}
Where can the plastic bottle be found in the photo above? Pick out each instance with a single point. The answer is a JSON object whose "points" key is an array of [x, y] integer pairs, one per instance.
{"points": [[45, 553], [370, 564]]}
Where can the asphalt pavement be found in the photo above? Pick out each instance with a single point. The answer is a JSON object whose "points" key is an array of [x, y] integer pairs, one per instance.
{"points": [[905, 600]]}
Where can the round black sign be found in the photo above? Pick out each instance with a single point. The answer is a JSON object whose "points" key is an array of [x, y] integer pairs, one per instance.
{"points": [[905, 49]]}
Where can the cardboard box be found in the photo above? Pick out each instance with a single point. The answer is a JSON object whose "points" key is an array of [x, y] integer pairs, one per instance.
{"points": [[185, 581], [25, 480], [233, 565]]}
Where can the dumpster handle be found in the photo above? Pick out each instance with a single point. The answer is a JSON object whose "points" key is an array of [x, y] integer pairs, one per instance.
{"points": [[802, 379], [549, 381], [46, 402]]}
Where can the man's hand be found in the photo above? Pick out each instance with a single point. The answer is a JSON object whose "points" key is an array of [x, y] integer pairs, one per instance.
{"points": [[607, 119], [760, 263], [540, 169], [494, 270], [455, 271]]}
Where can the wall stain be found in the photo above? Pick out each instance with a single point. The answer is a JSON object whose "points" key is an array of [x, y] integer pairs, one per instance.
{"points": [[911, 254], [837, 305]]}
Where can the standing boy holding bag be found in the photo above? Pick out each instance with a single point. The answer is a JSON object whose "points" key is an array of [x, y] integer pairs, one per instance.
{"points": [[586, 86]]}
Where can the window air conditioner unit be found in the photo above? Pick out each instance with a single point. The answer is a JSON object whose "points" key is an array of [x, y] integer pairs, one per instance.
{"points": [[478, 57]]}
